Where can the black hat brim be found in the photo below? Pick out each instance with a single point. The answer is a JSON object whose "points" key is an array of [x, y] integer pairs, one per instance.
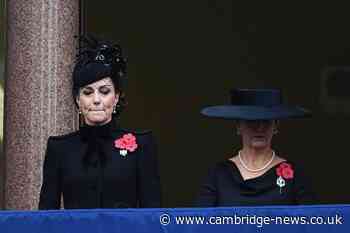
{"points": [[236, 112]]}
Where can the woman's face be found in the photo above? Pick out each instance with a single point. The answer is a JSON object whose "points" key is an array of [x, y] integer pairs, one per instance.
{"points": [[257, 134], [97, 100]]}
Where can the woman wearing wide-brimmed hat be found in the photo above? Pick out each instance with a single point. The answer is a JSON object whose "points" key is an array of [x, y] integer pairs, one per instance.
{"points": [[256, 174]]}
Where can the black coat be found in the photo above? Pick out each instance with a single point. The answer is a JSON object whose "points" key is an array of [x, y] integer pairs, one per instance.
{"points": [[225, 186], [95, 174]]}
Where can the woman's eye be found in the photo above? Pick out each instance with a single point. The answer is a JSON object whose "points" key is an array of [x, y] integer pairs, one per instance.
{"points": [[105, 91], [87, 92]]}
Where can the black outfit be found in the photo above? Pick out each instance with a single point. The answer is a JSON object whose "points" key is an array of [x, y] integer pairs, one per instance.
{"points": [[89, 171], [225, 186]]}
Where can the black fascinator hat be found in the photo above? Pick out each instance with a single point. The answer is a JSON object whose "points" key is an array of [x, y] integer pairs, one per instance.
{"points": [[255, 104], [96, 60]]}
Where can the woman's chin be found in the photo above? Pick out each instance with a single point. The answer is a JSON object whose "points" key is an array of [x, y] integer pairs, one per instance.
{"points": [[97, 121], [259, 145]]}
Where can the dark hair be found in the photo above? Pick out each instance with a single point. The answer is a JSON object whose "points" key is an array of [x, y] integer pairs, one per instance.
{"points": [[96, 60]]}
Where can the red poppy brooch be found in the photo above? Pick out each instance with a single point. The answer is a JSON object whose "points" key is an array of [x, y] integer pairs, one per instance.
{"points": [[284, 171], [127, 143]]}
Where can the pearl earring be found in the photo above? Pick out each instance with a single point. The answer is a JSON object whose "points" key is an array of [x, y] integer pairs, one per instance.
{"points": [[114, 109]]}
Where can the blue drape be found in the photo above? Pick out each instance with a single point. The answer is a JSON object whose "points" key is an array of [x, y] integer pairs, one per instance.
{"points": [[316, 218]]}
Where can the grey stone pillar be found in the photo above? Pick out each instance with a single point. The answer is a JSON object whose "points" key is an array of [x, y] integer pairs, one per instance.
{"points": [[40, 52]]}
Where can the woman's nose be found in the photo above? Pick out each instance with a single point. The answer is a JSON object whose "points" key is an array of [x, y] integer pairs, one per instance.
{"points": [[96, 98]]}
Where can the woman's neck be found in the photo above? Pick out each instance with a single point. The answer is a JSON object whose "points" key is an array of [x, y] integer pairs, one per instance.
{"points": [[256, 158]]}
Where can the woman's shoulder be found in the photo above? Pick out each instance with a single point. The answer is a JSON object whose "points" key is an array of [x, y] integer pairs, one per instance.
{"points": [[64, 136], [220, 167], [54, 139]]}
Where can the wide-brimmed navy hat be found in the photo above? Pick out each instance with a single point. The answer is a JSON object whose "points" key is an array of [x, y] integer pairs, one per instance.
{"points": [[255, 104]]}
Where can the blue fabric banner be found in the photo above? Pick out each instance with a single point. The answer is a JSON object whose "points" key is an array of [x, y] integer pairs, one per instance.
{"points": [[316, 218]]}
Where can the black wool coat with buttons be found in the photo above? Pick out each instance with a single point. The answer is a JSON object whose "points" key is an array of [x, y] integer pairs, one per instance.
{"points": [[88, 170]]}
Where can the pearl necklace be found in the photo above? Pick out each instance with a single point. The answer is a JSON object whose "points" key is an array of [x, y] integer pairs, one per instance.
{"points": [[259, 169]]}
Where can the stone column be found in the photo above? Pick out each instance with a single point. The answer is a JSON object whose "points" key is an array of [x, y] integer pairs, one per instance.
{"points": [[40, 53]]}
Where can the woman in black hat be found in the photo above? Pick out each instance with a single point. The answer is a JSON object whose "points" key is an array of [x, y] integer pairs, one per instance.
{"points": [[255, 175], [101, 165]]}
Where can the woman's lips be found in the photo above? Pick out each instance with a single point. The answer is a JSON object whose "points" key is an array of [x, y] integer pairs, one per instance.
{"points": [[96, 111], [259, 136]]}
